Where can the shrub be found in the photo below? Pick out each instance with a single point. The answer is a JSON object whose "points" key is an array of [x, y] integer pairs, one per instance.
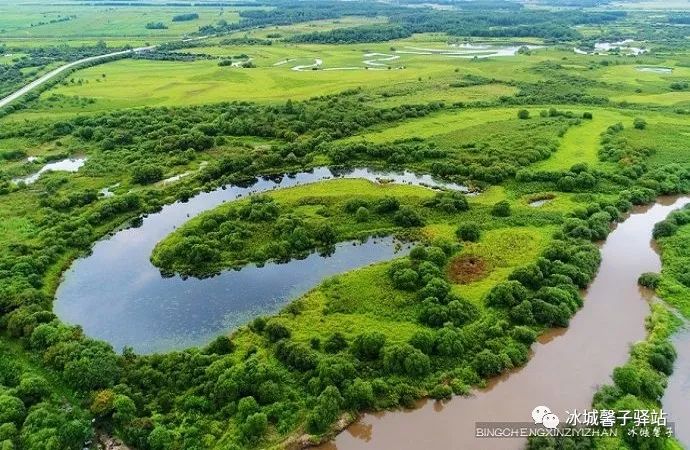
{"points": [[487, 364], [507, 293], [368, 345], [424, 341], [501, 209], [405, 279], [326, 411], [276, 331], [12, 410], [524, 335], [246, 407], [407, 217], [639, 123], [649, 280], [362, 214], [468, 232], [32, 389], [335, 343], [404, 359], [523, 114], [255, 426], [387, 205], [441, 392], [222, 345], [359, 395], [661, 363], [664, 228], [147, 174]]}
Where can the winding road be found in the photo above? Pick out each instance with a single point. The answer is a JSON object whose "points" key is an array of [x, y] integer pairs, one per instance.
{"points": [[39, 81]]}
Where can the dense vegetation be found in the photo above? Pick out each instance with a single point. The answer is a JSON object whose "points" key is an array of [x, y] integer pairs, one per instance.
{"points": [[487, 274]]}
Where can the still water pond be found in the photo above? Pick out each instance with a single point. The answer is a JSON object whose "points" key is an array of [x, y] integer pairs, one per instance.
{"points": [[117, 295], [65, 165]]}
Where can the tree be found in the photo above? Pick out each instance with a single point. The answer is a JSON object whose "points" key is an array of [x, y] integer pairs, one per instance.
{"points": [[468, 232], [487, 364], [124, 410], [32, 389], [255, 426], [501, 209], [246, 407], [404, 359], [326, 411], [507, 293], [523, 114], [11, 409], [359, 395]]}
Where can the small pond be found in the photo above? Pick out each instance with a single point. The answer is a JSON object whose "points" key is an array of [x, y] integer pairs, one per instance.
{"points": [[65, 165], [654, 69]]}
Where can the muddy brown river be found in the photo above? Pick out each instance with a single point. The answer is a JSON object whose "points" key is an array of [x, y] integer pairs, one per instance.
{"points": [[566, 367]]}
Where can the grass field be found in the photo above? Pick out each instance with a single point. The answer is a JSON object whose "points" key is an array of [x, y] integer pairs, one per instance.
{"points": [[418, 78], [410, 78], [94, 22]]}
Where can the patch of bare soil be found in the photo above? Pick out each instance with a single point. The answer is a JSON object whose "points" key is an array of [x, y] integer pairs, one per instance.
{"points": [[465, 269]]}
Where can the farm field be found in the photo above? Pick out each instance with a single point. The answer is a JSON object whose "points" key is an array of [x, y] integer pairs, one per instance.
{"points": [[282, 218]]}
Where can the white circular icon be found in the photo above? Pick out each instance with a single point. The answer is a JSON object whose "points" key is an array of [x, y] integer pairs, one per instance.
{"points": [[539, 412], [550, 421]]}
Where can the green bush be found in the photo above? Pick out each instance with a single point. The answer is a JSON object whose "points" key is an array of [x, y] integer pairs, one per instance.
{"points": [[649, 279], [468, 232], [501, 209]]}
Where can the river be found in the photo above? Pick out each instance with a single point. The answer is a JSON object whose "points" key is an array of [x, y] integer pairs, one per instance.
{"points": [[566, 367]]}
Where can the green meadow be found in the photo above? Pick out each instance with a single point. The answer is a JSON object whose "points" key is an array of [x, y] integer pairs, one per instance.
{"points": [[537, 152]]}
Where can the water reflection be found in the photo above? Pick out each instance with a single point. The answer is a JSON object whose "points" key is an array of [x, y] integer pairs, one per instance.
{"points": [[65, 165], [117, 295]]}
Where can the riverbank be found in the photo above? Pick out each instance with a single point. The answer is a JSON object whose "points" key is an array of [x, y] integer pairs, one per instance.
{"points": [[558, 358]]}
